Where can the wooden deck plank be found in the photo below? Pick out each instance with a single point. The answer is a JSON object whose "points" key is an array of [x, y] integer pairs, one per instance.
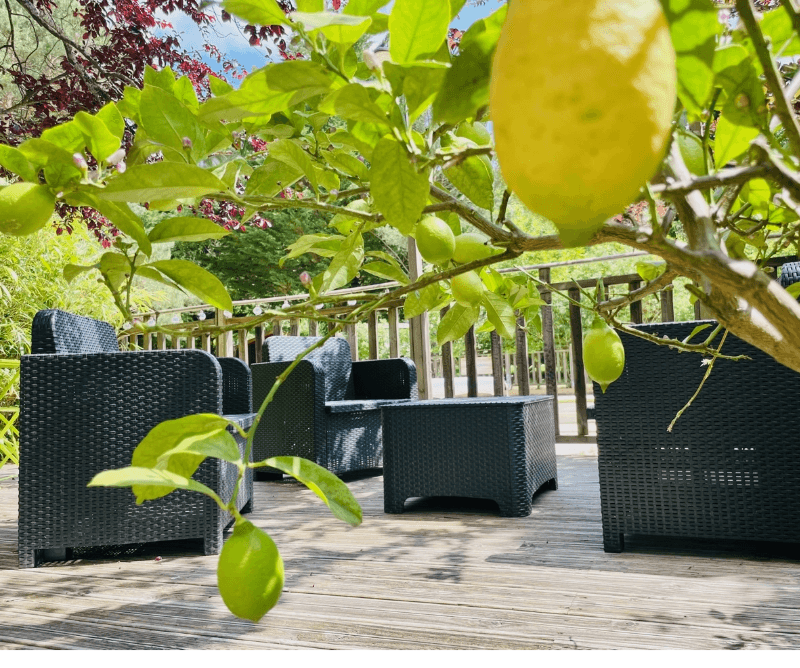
{"points": [[446, 574]]}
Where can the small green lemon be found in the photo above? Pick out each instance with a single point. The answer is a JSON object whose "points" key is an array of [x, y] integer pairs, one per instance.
{"points": [[472, 246], [603, 353], [360, 205], [467, 288], [582, 97], [25, 208], [435, 240], [250, 572], [476, 132]]}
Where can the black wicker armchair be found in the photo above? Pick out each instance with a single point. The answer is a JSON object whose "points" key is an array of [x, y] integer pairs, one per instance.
{"points": [[328, 410], [84, 406], [731, 465]]}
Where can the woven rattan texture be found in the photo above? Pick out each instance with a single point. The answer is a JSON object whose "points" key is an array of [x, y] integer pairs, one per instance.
{"points": [[84, 413], [55, 331], [348, 437], [790, 273], [237, 386], [500, 448], [333, 356], [729, 468]]}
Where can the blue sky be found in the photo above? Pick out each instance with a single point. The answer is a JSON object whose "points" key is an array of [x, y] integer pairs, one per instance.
{"points": [[233, 44]]}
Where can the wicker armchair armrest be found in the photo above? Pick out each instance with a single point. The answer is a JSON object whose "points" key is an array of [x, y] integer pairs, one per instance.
{"points": [[237, 386], [394, 378]]}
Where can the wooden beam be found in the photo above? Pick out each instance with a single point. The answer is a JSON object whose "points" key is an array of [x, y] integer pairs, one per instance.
{"points": [[548, 339], [372, 335], [258, 348], [448, 365], [419, 329], [161, 341], [497, 364], [224, 339], [636, 307], [277, 330], [243, 350], [578, 377], [667, 306], [471, 355], [205, 342], [394, 336], [312, 327], [294, 326], [523, 370], [351, 334]]}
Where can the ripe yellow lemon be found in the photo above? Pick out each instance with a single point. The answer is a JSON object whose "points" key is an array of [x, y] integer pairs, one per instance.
{"points": [[25, 208], [435, 240], [250, 572], [603, 353], [467, 288], [472, 246], [582, 96]]}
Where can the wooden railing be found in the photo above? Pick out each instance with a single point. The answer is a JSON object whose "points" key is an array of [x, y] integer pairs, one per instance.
{"points": [[243, 337]]}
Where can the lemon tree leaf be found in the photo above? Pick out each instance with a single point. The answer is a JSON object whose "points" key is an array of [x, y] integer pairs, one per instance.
{"points": [[186, 228], [649, 271], [156, 479], [167, 120], [257, 12], [398, 190], [696, 331], [475, 178], [500, 314], [343, 29], [387, 271], [363, 7], [345, 264], [777, 26], [691, 147], [291, 153], [354, 103], [731, 140], [417, 28], [323, 483], [101, 141], [694, 29], [418, 81], [466, 84], [155, 275], [161, 181], [196, 280], [119, 213], [272, 177], [326, 245], [347, 163], [456, 322], [794, 290], [295, 75], [71, 271], [15, 161]]}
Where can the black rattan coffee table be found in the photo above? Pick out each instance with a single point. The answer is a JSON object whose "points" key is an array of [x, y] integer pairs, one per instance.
{"points": [[499, 448]]}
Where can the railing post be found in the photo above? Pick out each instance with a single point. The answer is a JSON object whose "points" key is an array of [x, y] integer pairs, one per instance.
{"points": [[351, 333], [523, 372], [276, 328], [161, 341], [497, 364], [147, 344], [448, 364], [394, 336], [224, 339], [243, 351], [294, 326], [372, 335], [667, 307], [636, 307], [548, 339], [419, 329], [258, 348], [471, 355], [312, 327], [578, 377]]}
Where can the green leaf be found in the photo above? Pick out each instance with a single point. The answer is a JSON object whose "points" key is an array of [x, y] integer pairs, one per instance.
{"points": [[417, 28], [163, 78], [186, 229], [354, 103], [343, 29], [218, 86], [257, 12], [323, 483], [310, 5], [387, 271], [161, 181], [252, 98], [466, 84], [363, 7], [185, 94], [15, 161], [694, 28], [345, 264], [349, 164], [68, 136], [113, 119], [71, 271], [691, 147], [777, 26], [731, 140], [153, 275], [399, 191], [102, 143], [196, 280], [419, 82], [166, 120], [158, 480], [326, 245], [420, 301], [696, 331], [272, 177], [500, 314], [649, 271], [794, 290], [171, 434], [57, 162], [119, 213], [291, 153], [456, 323], [298, 75], [128, 106], [475, 178]]}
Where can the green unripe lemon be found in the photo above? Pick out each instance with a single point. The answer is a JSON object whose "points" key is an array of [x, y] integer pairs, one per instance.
{"points": [[250, 572], [471, 246], [476, 132], [603, 353], [25, 208], [467, 288], [581, 98], [435, 240], [359, 205]]}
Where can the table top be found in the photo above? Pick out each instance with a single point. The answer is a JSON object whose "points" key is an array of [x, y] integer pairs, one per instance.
{"points": [[470, 401]]}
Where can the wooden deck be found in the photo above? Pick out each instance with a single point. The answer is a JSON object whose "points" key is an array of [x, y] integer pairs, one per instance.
{"points": [[445, 575]]}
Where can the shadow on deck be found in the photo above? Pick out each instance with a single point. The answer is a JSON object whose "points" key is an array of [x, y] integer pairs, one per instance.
{"points": [[446, 574]]}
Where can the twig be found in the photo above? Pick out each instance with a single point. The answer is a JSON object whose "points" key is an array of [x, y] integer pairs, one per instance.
{"points": [[723, 178]]}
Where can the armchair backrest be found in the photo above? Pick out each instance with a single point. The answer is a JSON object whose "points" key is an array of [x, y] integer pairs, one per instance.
{"points": [[55, 331], [333, 357]]}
